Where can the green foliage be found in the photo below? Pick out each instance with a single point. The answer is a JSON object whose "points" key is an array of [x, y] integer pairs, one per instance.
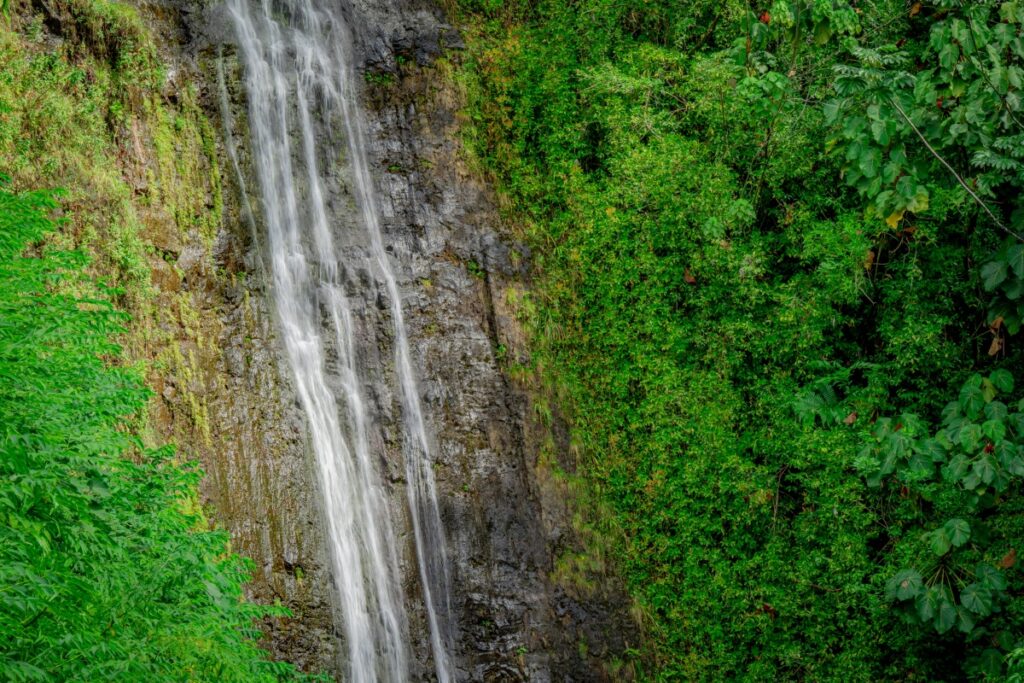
{"points": [[727, 320], [379, 78], [938, 109], [88, 112], [961, 471], [1004, 277], [938, 114], [107, 568], [1015, 661]]}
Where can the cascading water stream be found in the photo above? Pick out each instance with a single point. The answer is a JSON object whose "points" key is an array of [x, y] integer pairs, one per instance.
{"points": [[426, 517], [299, 76]]}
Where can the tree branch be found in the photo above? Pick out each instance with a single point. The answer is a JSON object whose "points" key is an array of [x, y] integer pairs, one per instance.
{"points": [[956, 175]]}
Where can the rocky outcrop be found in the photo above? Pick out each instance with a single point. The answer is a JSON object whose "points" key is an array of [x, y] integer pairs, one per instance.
{"points": [[230, 403], [508, 517]]}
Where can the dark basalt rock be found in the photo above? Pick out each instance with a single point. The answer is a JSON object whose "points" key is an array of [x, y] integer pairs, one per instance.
{"points": [[504, 520]]}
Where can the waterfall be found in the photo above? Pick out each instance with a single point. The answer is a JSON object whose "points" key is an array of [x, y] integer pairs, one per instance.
{"points": [[300, 80]]}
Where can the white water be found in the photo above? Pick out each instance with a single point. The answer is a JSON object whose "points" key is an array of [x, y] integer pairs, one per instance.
{"points": [[299, 74]]}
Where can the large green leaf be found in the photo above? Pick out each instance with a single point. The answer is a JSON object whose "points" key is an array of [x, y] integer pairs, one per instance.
{"points": [[972, 400], [940, 542], [958, 467], [970, 437], [1015, 259], [870, 161], [958, 531], [1002, 379], [996, 410], [932, 449], [994, 430], [985, 469], [927, 604], [992, 274], [1004, 452], [988, 390], [1016, 466], [990, 577], [965, 620], [945, 616], [991, 663], [904, 585], [972, 481], [1013, 288], [831, 110]]}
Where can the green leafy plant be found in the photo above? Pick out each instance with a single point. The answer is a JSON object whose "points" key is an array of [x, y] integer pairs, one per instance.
{"points": [[108, 570], [950, 119], [1004, 277], [963, 468]]}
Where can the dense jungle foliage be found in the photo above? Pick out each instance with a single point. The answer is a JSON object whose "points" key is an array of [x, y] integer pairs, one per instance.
{"points": [[779, 277], [107, 568]]}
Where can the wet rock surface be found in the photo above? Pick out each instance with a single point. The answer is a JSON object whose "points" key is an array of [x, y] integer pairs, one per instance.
{"points": [[224, 397], [262, 483], [506, 518], [507, 521]]}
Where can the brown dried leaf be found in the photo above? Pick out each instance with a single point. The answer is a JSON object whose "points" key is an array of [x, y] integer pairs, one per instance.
{"points": [[996, 346], [869, 260], [851, 418], [1009, 559]]}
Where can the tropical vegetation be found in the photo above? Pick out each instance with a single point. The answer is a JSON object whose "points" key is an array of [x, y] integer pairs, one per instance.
{"points": [[777, 286], [108, 568]]}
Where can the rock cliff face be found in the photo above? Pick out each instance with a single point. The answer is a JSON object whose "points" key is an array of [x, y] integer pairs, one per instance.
{"points": [[225, 398], [506, 518]]}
